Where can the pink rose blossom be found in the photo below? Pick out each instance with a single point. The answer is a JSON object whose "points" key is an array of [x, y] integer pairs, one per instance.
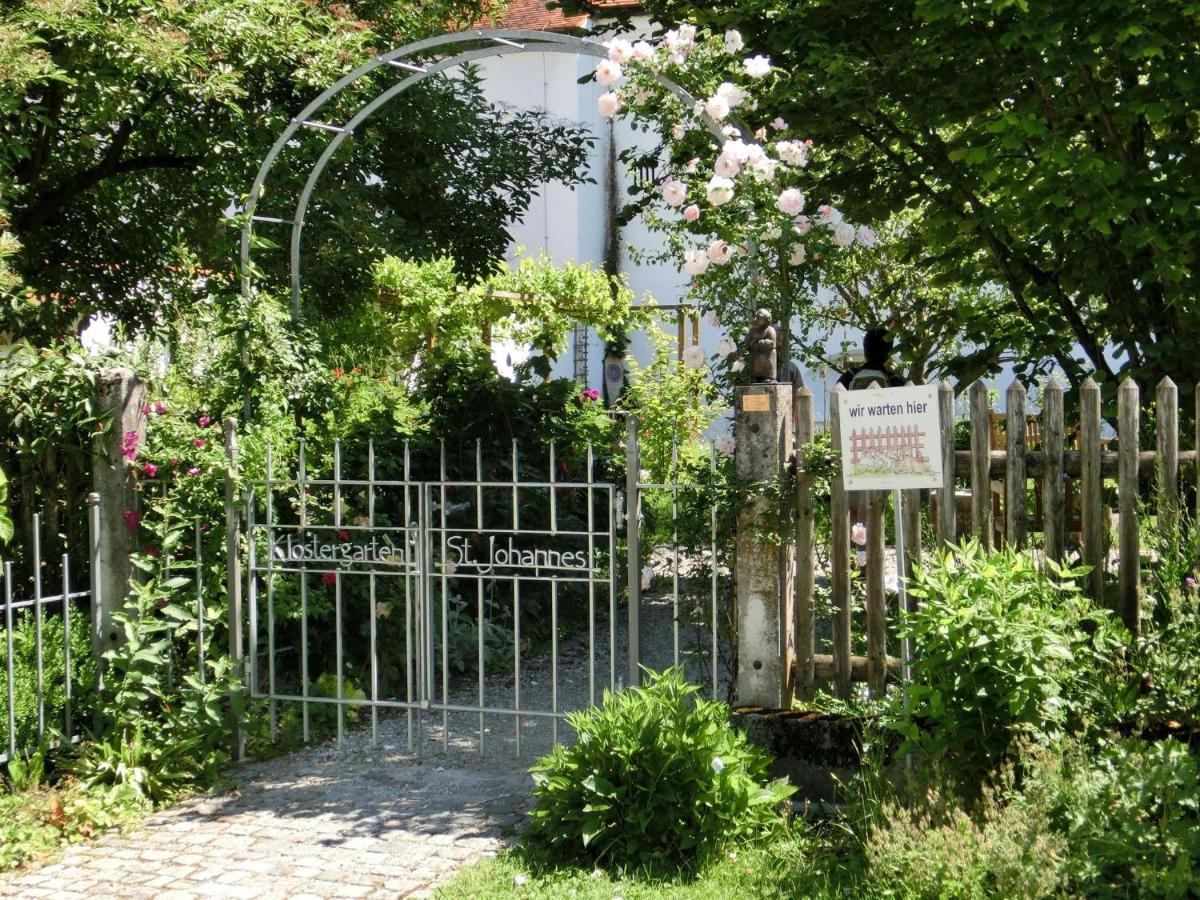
{"points": [[790, 202], [149, 470], [204, 421], [608, 104], [590, 394], [719, 252], [692, 213], [160, 408], [132, 519], [674, 192], [608, 73], [193, 471], [328, 578], [129, 445], [198, 442]]}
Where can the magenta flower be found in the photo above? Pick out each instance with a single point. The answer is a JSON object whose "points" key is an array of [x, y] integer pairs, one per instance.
{"points": [[1190, 581], [132, 519], [129, 445], [343, 535], [149, 470], [151, 551], [198, 442], [328, 578], [147, 410], [193, 471], [590, 394], [160, 408], [205, 421]]}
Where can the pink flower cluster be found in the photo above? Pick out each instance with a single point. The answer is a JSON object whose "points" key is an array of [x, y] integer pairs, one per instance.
{"points": [[590, 394], [129, 445], [132, 519]]}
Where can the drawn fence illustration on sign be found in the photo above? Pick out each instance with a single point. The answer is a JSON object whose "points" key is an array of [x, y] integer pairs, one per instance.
{"points": [[889, 448]]}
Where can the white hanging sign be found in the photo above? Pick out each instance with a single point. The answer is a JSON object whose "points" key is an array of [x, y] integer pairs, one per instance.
{"points": [[891, 438]]}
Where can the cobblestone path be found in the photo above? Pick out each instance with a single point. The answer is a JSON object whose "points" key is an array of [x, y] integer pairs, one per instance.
{"points": [[321, 823]]}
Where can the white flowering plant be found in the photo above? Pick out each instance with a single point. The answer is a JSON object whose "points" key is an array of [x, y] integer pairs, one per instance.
{"points": [[739, 212]]}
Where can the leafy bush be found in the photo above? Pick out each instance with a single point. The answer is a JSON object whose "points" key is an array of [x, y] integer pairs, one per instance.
{"points": [[1003, 651], [1131, 816], [165, 730], [656, 779], [935, 849]]}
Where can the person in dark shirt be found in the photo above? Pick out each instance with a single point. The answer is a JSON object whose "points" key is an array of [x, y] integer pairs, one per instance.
{"points": [[874, 370]]}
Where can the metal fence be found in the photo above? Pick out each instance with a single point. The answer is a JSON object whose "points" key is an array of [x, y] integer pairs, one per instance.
{"points": [[51, 671]]}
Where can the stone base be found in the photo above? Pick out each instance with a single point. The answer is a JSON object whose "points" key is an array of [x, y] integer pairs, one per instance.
{"points": [[816, 752]]}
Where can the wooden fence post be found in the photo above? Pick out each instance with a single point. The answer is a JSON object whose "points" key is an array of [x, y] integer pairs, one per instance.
{"points": [[840, 557], [981, 453], [805, 621], [1052, 475], [1167, 425], [1015, 518], [947, 508], [1091, 505], [1128, 416]]}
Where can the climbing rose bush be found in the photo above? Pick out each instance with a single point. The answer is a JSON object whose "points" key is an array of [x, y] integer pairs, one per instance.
{"points": [[739, 212]]}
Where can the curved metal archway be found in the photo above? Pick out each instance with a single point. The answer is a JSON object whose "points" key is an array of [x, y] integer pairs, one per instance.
{"points": [[456, 49]]}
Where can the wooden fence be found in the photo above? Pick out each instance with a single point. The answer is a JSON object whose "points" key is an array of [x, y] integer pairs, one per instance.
{"points": [[1066, 468]]}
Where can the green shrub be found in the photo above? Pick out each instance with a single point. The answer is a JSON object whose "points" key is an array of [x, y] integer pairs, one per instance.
{"points": [[1131, 816], [657, 779], [1003, 650], [935, 849]]}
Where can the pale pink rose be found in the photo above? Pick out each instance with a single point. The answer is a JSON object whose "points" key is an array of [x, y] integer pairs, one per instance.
{"points": [[858, 534], [692, 165], [798, 255], [678, 131], [732, 93], [693, 357], [717, 107], [720, 252], [642, 51], [828, 215], [608, 104], [763, 170], [727, 166], [674, 192], [733, 41], [843, 234], [608, 73], [793, 153], [790, 202], [802, 225], [719, 191], [779, 124], [757, 66], [866, 236], [691, 213], [695, 262], [620, 50]]}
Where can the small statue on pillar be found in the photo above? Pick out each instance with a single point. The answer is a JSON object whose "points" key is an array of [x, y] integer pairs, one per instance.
{"points": [[760, 341]]}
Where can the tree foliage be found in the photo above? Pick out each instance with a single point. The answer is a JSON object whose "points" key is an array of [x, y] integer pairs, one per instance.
{"points": [[1048, 146], [128, 129]]}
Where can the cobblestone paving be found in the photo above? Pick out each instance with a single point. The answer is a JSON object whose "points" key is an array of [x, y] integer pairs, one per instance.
{"points": [[321, 823]]}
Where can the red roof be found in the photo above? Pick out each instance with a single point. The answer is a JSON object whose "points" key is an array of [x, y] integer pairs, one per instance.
{"points": [[533, 15]]}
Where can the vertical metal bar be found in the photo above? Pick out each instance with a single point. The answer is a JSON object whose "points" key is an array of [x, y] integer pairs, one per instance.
{"points": [[8, 638], [167, 564], [374, 612], [339, 649], [633, 511], [305, 719], [553, 488], [411, 589], [554, 658], [712, 515], [675, 549], [200, 636], [516, 523], [66, 598], [233, 570], [444, 604], [40, 676], [269, 496], [479, 584], [94, 565], [591, 579], [612, 591]]}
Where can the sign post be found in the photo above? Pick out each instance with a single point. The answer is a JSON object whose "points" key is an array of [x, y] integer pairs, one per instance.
{"points": [[891, 440]]}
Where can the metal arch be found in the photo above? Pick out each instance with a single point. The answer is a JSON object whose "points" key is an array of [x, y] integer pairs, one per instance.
{"points": [[502, 43]]}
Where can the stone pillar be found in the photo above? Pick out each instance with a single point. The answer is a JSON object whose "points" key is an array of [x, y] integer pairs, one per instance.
{"points": [[765, 558], [120, 398]]}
